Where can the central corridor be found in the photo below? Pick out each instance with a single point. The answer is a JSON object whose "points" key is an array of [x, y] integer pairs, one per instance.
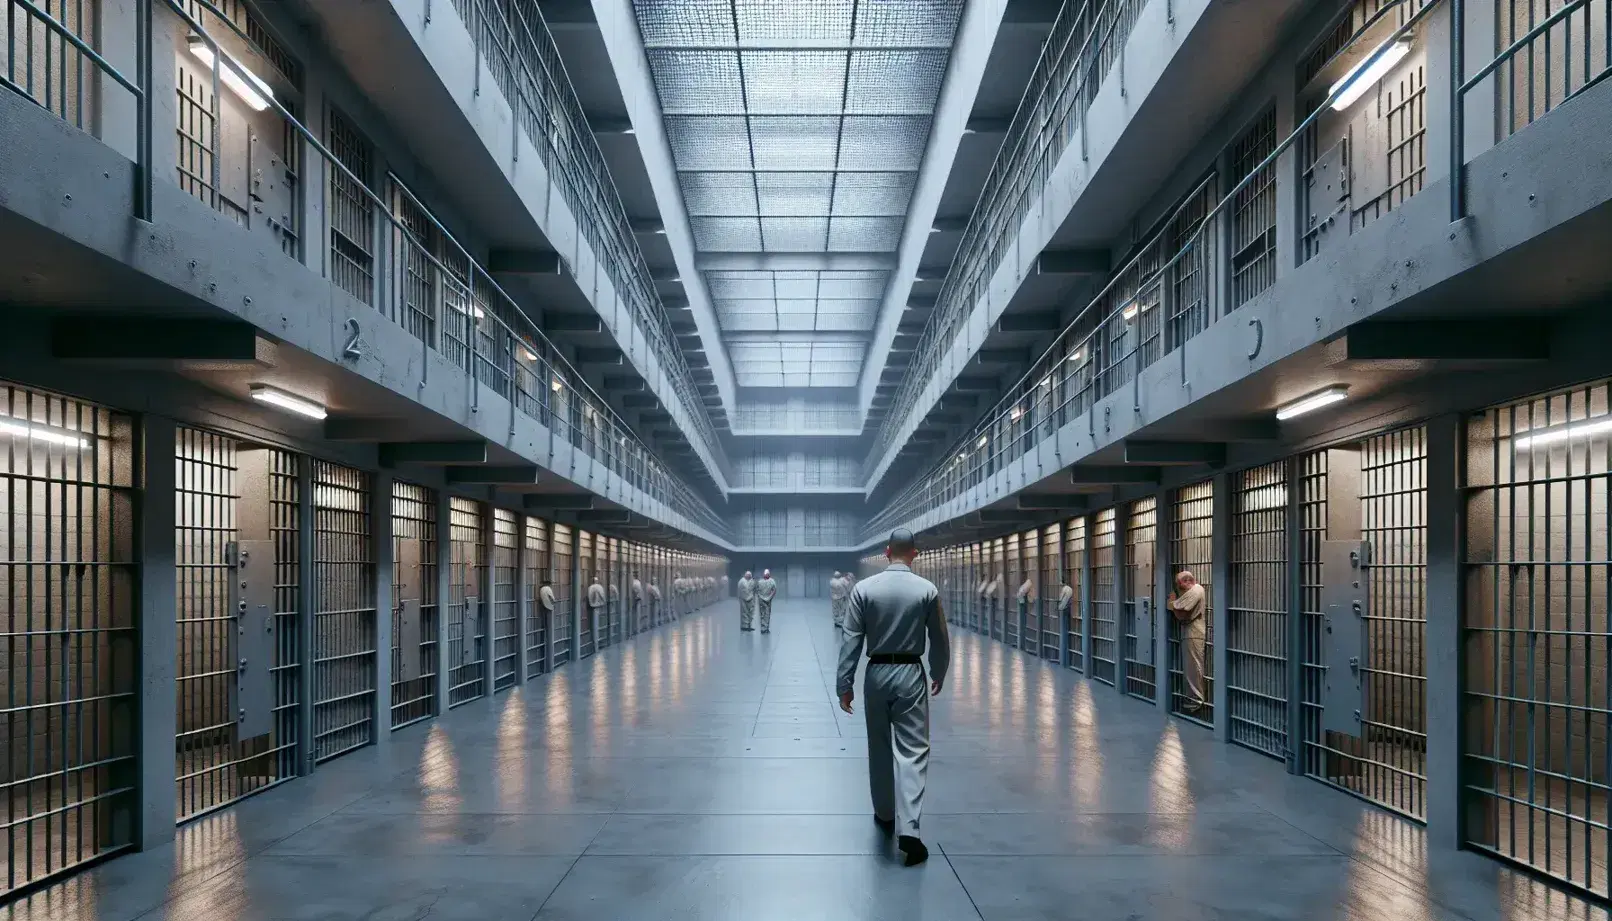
{"points": [[698, 772]]}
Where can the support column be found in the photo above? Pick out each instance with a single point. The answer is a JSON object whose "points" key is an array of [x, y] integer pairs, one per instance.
{"points": [[381, 552], [1220, 604], [444, 544], [1163, 585], [158, 706], [307, 599], [1446, 470]]}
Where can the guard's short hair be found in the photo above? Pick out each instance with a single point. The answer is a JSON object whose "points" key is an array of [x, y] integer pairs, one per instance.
{"points": [[901, 541]]}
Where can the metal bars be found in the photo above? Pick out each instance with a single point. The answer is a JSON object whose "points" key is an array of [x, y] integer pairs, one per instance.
{"points": [[1104, 597], [1256, 614], [466, 606], [1140, 523], [587, 563], [505, 605], [1191, 548], [344, 611], [415, 608], [560, 567], [71, 664], [539, 616], [1012, 611], [1052, 585], [1076, 566]]}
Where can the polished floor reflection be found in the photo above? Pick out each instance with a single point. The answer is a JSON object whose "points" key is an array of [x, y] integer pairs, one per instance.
{"points": [[699, 772]]}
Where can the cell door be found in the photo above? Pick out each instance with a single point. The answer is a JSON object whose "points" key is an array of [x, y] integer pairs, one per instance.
{"points": [[1030, 567], [539, 619], [467, 610], [344, 611], [1074, 567], [1013, 612], [414, 603], [957, 585], [587, 565], [604, 548], [1104, 596], [1000, 591], [796, 586], [238, 565], [1051, 619], [1256, 611], [978, 619], [506, 612], [1140, 528], [67, 487], [1191, 537], [561, 564]]}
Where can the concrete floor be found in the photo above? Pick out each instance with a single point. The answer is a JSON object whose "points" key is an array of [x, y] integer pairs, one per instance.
{"points": [[696, 772]]}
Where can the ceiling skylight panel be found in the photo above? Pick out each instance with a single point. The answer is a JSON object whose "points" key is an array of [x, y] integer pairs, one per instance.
{"points": [[697, 82], [685, 22], [895, 82], [794, 143], [794, 23], [905, 23], [873, 194], [864, 234], [883, 142], [790, 194], [794, 82], [705, 142], [718, 194], [726, 234]]}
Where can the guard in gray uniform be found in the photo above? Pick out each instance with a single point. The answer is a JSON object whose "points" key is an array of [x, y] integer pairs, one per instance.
{"points": [[895, 612], [766, 590], [747, 602]]}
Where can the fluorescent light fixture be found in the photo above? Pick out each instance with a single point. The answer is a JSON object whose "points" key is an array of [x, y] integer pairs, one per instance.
{"points": [[242, 82], [982, 441], [1359, 79], [1046, 381], [1079, 354], [1015, 414], [1130, 311], [526, 355], [33, 431], [556, 386], [287, 402], [1578, 430], [1313, 402]]}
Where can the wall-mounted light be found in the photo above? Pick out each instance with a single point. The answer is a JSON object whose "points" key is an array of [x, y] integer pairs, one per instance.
{"points": [[287, 402], [33, 431], [1015, 414], [1546, 437], [1130, 311], [1079, 354], [526, 355], [556, 386], [1046, 381], [1362, 77], [1313, 402], [982, 441], [242, 82]]}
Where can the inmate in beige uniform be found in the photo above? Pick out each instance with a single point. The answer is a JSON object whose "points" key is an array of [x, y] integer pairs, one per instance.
{"points": [[766, 590], [747, 602], [1189, 609], [894, 612]]}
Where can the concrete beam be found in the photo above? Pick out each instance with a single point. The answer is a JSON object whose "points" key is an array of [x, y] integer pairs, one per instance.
{"points": [[619, 384], [161, 342], [1413, 345], [599, 357], [949, 224], [367, 428], [540, 502], [608, 518], [664, 273], [1111, 476], [974, 384], [610, 124], [1000, 356], [988, 124], [1001, 516], [393, 453], [933, 272], [572, 323], [639, 401], [524, 262], [647, 225], [922, 301], [1036, 13], [1046, 322], [676, 302], [495, 475], [785, 262], [1175, 453], [1070, 504], [1072, 262]]}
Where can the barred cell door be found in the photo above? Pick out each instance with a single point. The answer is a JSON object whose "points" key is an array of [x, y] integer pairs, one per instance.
{"points": [[1192, 645], [67, 486], [561, 562], [539, 618], [1052, 583], [587, 565], [997, 626], [1139, 615], [1013, 613], [1030, 629], [467, 610], [506, 605], [238, 567], [414, 604], [1079, 604], [1104, 597], [1256, 611], [344, 611]]}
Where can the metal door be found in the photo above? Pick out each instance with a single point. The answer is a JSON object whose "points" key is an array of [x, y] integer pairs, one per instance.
{"points": [[560, 567], [1074, 567], [1192, 550], [587, 566], [67, 486], [1012, 613], [997, 551], [344, 611], [1256, 611], [1030, 626], [1140, 534], [608, 632], [1104, 597], [1535, 686], [414, 604], [506, 608], [535, 562], [238, 565], [957, 572], [1050, 619], [467, 609]]}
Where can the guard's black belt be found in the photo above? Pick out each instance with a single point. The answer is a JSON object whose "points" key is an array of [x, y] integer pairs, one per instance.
{"points": [[895, 658]]}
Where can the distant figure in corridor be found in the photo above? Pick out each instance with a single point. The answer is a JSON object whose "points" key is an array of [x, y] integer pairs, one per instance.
{"points": [[747, 602], [596, 602], [656, 611], [639, 621], [1189, 607], [766, 590], [838, 591], [1027, 598], [545, 597], [895, 612]]}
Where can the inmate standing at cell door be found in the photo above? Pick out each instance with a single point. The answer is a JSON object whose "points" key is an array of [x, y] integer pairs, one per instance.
{"points": [[1189, 608], [894, 613]]}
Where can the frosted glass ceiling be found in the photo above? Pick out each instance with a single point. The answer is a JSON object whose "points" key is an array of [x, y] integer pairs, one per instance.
{"points": [[797, 127]]}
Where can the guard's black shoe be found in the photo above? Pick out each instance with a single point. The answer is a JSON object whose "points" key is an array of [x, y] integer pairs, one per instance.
{"points": [[888, 826], [913, 851]]}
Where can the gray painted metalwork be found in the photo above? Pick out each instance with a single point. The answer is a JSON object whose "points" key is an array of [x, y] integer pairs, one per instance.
{"points": [[1137, 602], [1103, 651], [415, 611], [539, 642], [1345, 608], [1077, 563], [1191, 547], [505, 604], [466, 619], [1257, 666], [344, 612]]}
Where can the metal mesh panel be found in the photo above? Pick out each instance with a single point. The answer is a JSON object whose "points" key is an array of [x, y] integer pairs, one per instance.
{"points": [[535, 559], [588, 565], [70, 727], [560, 571], [1140, 529], [414, 521], [344, 611], [1192, 549], [505, 607], [1535, 689], [1104, 597], [1075, 567], [1256, 611], [467, 633], [215, 766]]}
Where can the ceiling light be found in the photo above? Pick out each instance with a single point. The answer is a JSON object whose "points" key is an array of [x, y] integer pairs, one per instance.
{"points": [[245, 84], [1359, 79], [1130, 311], [982, 441], [1552, 436], [1313, 402], [557, 386], [1015, 414], [1079, 354], [526, 354], [287, 402], [1046, 381], [17, 428]]}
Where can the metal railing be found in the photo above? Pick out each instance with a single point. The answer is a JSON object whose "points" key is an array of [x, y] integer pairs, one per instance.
{"points": [[1087, 38], [525, 63], [1158, 300]]}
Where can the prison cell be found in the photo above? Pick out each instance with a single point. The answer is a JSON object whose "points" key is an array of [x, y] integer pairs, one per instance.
{"points": [[1030, 566], [600, 571], [1256, 611], [586, 565], [1074, 566], [1363, 522], [1104, 597], [1050, 618], [71, 726], [1012, 577], [1191, 550], [1535, 691], [238, 566], [561, 559], [1140, 529], [344, 611], [612, 583], [1000, 588], [505, 604], [957, 572], [539, 619], [467, 632], [414, 603]]}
